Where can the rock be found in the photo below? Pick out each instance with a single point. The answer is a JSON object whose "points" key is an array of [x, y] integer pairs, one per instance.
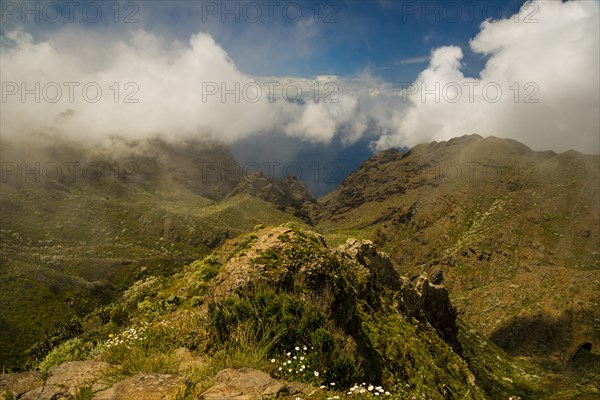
{"points": [[378, 263], [17, 384], [243, 384], [75, 374], [48, 392], [436, 276], [143, 387], [102, 384], [409, 299], [63, 382], [432, 303], [186, 360], [300, 388], [438, 309]]}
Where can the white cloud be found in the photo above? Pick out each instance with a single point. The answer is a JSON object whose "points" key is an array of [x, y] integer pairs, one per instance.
{"points": [[554, 61], [413, 60]]}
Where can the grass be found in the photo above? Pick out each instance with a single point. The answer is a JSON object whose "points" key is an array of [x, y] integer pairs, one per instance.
{"points": [[85, 393]]}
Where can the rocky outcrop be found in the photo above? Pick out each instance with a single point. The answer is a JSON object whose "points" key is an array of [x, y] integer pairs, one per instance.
{"points": [[143, 387], [290, 194], [379, 264], [438, 309], [266, 261], [63, 381], [430, 302], [243, 384]]}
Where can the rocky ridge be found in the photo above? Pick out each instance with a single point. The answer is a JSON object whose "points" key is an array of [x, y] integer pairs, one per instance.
{"points": [[290, 194], [364, 320]]}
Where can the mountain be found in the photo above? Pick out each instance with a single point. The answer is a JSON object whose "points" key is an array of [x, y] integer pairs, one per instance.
{"points": [[79, 225], [513, 233]]}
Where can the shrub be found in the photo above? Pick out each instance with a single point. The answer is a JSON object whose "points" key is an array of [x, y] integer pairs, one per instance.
{"points": [[283, 320], [68, 331], [71, 350]]}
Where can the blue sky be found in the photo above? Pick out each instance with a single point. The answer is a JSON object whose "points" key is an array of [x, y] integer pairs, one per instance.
{"points": [[392, 39], [389, 38]]}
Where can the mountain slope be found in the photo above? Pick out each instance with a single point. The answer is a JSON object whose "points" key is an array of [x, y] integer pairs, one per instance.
{"points": [[74, 241], [514, 233]]}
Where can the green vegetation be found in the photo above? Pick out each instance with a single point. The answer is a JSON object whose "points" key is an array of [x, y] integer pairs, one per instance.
{"points": [[82, 259], [71, 350]]}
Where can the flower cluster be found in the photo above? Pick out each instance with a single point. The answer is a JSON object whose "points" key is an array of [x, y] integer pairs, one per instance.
{"points": [[364, 388], [127, 337], [295, 365], [141, 288]]}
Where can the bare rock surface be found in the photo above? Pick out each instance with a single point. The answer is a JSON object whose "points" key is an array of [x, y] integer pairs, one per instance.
{"points": [[244, 384], [143, 387], [17, 384]]}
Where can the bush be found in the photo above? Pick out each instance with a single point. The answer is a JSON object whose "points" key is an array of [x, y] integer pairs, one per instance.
{"points": [[284, 321], [71, 350], [68, 331]]}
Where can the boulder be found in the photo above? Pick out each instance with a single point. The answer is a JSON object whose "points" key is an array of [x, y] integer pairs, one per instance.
{"points": [[243, 384], [48, 392], [20, 383], [143, 387], [75, 374]]}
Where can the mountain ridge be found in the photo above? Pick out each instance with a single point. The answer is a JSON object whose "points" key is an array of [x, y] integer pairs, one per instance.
{"points": [[507, 213]]}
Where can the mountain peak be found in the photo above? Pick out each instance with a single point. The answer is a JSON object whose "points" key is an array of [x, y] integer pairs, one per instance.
{"points": [[289, 194]]}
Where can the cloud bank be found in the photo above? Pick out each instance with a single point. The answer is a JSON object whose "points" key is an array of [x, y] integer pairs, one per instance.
{"points": [[539, 85]]}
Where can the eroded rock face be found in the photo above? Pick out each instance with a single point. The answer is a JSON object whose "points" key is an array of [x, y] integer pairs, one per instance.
{"points": [[438, 309], [243, 384], [409, 300], [143, 387], [427, 301]]}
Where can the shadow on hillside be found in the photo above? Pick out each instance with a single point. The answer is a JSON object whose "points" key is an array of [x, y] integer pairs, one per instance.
{"points": [[543, 335]]}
